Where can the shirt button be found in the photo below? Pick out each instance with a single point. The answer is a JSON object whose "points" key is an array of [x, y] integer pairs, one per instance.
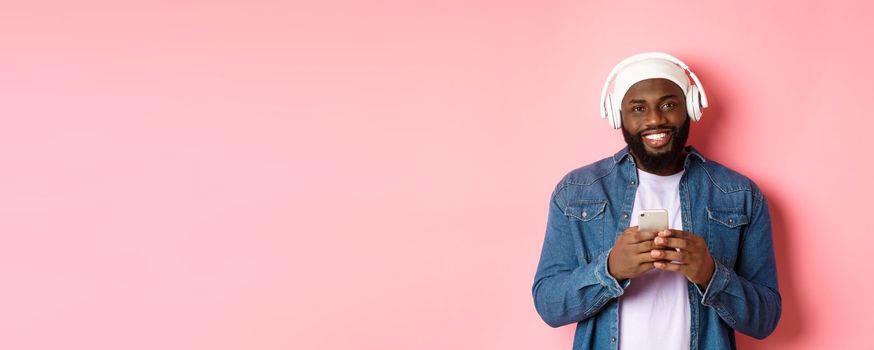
{"points": [[632, 182], [625, 216], [730, 221], [613, 339], [584, 214]]}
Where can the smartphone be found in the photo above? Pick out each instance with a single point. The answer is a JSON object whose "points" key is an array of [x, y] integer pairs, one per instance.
{"points": [[653, 220]]}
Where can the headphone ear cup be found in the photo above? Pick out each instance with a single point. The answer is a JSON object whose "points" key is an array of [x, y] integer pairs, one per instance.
{"points": [[615, 116], [693, 103]]}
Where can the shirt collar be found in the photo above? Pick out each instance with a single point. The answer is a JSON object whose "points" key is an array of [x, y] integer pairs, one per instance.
{"points": [[625, 153]]}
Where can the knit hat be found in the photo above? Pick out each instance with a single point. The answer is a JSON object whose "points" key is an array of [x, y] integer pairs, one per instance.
{"points": [[648, 69]]}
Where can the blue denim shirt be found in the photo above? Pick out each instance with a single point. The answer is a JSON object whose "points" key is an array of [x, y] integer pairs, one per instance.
{"points": [[592, 205]]}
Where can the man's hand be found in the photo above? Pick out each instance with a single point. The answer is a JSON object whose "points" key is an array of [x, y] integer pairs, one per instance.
{"points": [[631, 255], [689, 255]]}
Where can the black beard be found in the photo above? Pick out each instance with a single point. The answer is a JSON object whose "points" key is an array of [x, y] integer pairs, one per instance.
{"points": [[657, 163]]}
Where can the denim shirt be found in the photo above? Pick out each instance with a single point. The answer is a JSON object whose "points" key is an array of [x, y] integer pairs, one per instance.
{"points": [[592, 205]]}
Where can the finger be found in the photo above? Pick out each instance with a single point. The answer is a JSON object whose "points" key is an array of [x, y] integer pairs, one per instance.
{"points": [[673, 233], [643, 247], [663, 265], [646, 267], [645, 257], [641, 236], [628, 234], [670, 242], [669, 255]]}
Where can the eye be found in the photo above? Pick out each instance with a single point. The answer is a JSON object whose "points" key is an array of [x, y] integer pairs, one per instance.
{"points": [[669, 106], [637, 109]]}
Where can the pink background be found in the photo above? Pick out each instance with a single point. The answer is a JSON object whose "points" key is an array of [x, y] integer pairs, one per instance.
{"points": [[375, 175]]}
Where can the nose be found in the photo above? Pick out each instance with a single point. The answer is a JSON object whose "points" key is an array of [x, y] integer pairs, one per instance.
{"points": [[655, 117]]}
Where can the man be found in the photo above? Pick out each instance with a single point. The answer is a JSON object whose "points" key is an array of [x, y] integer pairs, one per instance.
{"points": [[691, 286]]}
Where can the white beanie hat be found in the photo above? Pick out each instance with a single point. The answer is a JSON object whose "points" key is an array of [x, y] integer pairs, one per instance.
{"points": [[648, 69]]}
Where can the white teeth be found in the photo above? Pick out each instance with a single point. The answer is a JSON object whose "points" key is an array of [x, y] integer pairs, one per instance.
{"points": [[656, 137]]}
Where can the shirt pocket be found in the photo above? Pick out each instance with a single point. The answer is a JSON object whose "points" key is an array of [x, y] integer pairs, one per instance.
{"points": [[724, 228], [587, 219]]}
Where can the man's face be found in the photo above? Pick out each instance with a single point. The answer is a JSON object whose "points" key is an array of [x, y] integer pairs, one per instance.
{"points": [[655, 124]]}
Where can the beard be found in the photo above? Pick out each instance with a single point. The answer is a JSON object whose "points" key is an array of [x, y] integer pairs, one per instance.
{"points": [[662, 161]]}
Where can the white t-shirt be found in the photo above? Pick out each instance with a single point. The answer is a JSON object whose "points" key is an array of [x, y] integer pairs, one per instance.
{"points": [[654, 310]]}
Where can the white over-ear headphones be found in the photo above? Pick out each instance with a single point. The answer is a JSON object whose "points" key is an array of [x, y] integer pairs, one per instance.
{"points": [[611, 104]]}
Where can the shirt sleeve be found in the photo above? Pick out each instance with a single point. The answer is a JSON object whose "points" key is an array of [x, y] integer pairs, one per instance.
{"points": [[747, 297], [566, 288]]}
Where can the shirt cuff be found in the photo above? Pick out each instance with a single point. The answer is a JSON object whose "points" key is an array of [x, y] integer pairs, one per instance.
{"points": [[602, 274], [718, 282]]}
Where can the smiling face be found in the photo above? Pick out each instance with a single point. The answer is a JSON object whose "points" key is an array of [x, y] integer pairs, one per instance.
{"points": [[655, 125]]}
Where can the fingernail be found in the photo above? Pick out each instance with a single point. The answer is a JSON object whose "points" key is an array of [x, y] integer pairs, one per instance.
{"points": [[655, 253], [660, 240]]}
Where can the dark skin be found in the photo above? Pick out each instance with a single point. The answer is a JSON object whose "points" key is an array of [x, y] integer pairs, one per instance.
{"points": [[649, 107]]}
